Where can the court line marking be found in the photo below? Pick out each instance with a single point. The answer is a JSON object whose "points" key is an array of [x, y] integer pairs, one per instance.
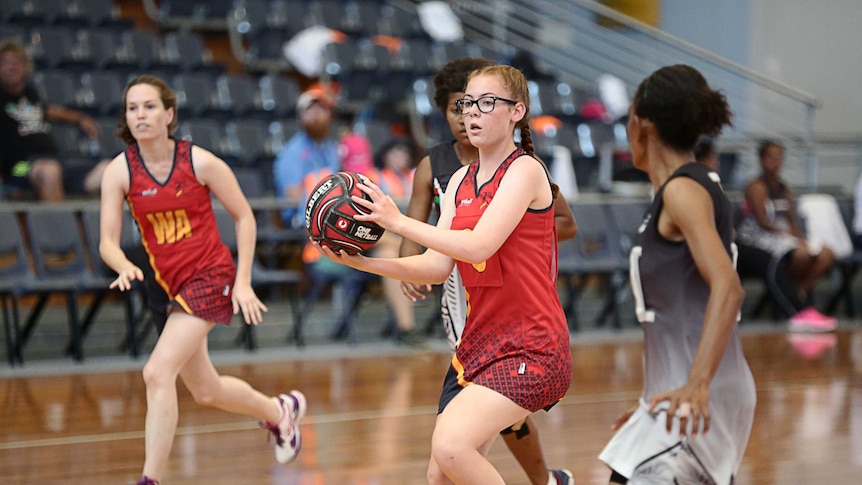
{"points": [[310, 420], [602, 398]]}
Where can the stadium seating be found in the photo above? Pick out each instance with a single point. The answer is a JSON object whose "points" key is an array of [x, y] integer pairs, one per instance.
{"points": [[595, 250], [85, 53], [101, 93], [61, 266], [261, 277]]}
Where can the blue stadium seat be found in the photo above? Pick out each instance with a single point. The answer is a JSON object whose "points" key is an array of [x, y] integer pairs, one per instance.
{"points": [[206, 133], [278, 95], [237, 95], [184, 51], [136, 51], [195, 93], [51, 46], [101, 92], [595, 250], [247, 140], [22, 12], [57, 87]]}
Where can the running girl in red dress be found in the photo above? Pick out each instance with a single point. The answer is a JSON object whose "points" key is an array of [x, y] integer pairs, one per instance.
{"points": [[167, 184]]}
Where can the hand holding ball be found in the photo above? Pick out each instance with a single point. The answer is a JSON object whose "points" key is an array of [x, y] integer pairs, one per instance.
{"points": [[329, 214]]}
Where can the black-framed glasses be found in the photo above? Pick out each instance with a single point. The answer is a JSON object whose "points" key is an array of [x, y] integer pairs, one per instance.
{"points": [[486, 104]]}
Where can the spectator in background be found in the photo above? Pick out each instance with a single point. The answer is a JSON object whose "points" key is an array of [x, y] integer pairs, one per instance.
{"points": [[755, 262], [394, 175], [355, 152], [307, 158], [768, 221], [310, 155], [395, 167], [311, 150], [28, 160]]}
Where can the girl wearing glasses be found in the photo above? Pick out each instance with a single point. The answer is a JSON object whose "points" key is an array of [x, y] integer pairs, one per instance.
{"points": [[429, 184], [497, 226]]}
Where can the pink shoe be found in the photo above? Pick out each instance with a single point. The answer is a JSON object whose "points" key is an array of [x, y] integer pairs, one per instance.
{"points": [[811, 321]]}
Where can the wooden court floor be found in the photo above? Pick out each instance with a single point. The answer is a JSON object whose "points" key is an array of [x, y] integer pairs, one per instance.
{"points": [[370, 418]]}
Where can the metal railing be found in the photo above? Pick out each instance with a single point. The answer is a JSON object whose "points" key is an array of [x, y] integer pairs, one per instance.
{"points": [[566, 38]]}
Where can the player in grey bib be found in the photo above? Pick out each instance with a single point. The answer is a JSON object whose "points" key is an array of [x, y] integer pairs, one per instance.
{"points": [[671, 311], [693, 420]]}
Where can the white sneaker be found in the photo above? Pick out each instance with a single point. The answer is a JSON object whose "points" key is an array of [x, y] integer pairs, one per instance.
{"points": [[288, 440]]}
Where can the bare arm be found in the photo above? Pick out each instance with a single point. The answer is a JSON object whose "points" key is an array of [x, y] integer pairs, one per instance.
{"points": [[688, 215], [419, 207], [115, 186], [62, 114], [429, 267], [215, 173], [567, 226]]}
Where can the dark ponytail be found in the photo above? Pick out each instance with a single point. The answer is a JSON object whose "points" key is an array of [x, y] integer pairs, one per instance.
{"points": [[682, 106]]}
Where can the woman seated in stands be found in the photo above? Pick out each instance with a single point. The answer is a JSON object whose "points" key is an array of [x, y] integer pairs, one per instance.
{"points": [[768, 222]]}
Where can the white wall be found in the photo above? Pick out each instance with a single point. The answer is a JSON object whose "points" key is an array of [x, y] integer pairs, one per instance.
{"points": [[815, 46], [811, 45], [720, 26]]}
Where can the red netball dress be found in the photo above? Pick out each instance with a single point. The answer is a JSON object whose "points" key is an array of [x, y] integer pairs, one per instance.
{"points": [[516, 340], [180, 235]]}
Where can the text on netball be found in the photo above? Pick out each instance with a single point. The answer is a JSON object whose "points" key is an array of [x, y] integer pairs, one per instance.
{"points": [[363, 232], [324, 188], [170, 226]]}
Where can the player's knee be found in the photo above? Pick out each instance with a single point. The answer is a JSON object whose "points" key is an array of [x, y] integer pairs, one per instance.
{"points": [[159, 374], [155, 376], [435, 476], [447, 452], [46, 171]]}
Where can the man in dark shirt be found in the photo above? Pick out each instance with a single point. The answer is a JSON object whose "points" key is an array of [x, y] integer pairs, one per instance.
{"points": [[28, 160]]}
